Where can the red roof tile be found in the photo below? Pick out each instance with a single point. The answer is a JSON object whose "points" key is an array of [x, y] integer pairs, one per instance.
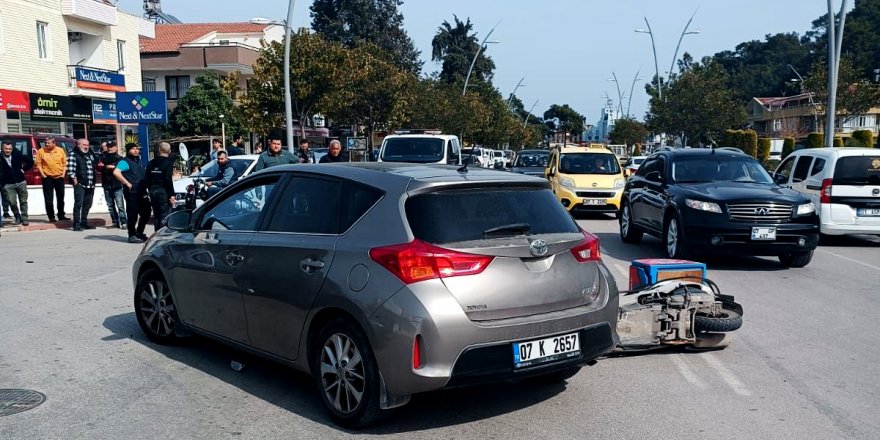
{"points": [[169, 37]]}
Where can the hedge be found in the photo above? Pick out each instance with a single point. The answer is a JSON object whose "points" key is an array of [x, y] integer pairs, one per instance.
{"points": [[763, 149], [838, 142], [815, 140], [751, 143], [787, 147], [866, 137]]}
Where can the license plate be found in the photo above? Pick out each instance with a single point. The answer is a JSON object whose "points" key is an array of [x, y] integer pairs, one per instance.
{"points": [[594, 202], [868, 212], [539, 351], [763, 233]]}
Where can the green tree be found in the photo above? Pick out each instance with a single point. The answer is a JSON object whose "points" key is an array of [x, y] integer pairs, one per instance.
{"points": [[197, 113], [860, 40], [763, 149], [570, 120], [787, 147], [628, 131], [751, 147], [355, 22], [455, 46], [855, 95], [760, 68], [697, 104]]}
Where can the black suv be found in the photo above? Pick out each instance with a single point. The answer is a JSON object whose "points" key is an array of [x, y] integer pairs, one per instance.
{"points": [[717, 201]]}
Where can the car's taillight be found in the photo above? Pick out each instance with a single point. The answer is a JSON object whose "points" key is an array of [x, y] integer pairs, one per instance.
{"points": [[417, 352], [825, 194], [588, 250], [418, 261]]}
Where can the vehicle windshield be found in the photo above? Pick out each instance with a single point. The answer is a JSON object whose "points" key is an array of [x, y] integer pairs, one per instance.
{"points": [[537, 159], [857, 170], [416, 150], [588, 163], [498, 154], [720, 169], [636, 161], [210, 168], [483, 211]]}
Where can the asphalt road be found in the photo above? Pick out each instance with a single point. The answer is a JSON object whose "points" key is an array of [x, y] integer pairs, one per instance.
{"points": [[803, 366]]}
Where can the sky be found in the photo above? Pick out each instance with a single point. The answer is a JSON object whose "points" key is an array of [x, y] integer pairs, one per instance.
{"points": [[566, 49]]}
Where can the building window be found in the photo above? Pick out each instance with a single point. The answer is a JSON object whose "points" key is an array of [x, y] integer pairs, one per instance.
{"points": [[149, 85], [176, 86], [777, 124], [43, 40], [120, 54]]}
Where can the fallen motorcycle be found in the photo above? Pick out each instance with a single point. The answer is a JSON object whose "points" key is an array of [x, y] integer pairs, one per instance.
{"points": [[677, 312]]}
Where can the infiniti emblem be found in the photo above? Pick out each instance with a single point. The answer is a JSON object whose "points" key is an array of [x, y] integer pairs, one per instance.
{"points": [[762, 211], [538, 248]]}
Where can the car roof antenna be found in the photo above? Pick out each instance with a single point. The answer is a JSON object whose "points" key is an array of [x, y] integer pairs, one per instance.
{"points": [[463, 169]]}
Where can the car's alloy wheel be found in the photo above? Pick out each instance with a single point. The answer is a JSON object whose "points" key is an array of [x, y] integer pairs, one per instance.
{"points": [[346, 374], [155, 309], [628, 232], [342, 373], [674, 244]]}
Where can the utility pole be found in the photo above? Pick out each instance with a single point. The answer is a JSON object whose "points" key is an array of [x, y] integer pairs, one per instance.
{"points": [[835, 40]]}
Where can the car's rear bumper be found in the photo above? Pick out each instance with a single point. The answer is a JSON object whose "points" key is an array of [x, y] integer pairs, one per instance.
{"points": [[457, 351]]}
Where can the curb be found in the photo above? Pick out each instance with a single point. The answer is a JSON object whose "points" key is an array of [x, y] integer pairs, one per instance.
{"points": [[45, 225]]}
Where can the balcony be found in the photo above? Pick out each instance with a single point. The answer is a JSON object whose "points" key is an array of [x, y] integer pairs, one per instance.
{"points": [[221, 58], [95, 11]]}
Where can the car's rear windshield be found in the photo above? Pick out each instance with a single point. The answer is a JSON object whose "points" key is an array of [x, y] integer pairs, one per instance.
{"points": [[719, 168], [531, 159], [469, 215], [588, 163], [417, 150], [858, 170]]}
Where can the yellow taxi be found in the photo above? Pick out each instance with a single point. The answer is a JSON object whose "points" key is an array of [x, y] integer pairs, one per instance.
{"points": [[586, 179]]}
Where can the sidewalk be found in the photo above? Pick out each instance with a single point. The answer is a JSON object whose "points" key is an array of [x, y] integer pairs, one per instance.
{"points": [[41, 223]]}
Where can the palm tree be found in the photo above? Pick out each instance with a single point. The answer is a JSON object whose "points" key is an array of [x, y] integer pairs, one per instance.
{"points": [[455, 46]]}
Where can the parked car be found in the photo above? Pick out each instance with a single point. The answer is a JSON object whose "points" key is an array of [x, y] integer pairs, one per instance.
{"points": [[355, 273], [719, 202], [530, 162], [844, 183], [632, 164], [30, 143], [421, 148], [242, 165], [482, 154], [586, 179]]}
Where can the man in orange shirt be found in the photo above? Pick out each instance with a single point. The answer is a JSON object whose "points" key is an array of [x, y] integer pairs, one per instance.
{"points": [[51, 163]]}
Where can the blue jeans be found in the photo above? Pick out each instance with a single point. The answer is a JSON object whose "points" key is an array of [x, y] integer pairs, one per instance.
{"points": [[116, 205]]}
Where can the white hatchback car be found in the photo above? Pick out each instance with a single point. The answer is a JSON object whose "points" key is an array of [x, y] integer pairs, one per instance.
{"points": [[843, 182], [242, 164]]}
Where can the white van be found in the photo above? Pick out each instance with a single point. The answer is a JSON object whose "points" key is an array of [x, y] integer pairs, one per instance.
{"points": [[844, 184], [421, 148]]}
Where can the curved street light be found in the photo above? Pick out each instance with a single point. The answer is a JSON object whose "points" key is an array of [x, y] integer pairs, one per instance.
{"points": [[477, 55], [631, 88], [288, 102]]}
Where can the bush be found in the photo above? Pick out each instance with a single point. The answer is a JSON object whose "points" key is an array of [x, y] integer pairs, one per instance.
{"points": [[838, 142], [763, 149], [637, 150], [750, 146], [854, 143], [866, 137], [815, 140], [787, 147]]}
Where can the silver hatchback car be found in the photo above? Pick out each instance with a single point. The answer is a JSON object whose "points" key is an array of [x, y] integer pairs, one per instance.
{"points": [[383, 280]]}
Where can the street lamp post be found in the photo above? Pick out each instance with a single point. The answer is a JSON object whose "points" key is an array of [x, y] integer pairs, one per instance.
{"points": [[477, 55], [835, 40], [681, 37], [526, 120], [288, 101], [619, 95], [223, 131], [654, 48], [631, 88], [518, 85], [800, 79]]}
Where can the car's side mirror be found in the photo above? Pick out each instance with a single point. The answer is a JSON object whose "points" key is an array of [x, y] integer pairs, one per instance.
{"points": [[780, 178], [654, 176], [178, 221]]}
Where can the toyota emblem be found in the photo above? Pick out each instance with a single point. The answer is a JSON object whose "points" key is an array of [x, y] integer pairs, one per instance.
{"points": [[538, 248], [762, 211]]}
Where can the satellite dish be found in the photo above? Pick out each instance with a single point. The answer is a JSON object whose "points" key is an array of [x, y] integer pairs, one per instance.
{"points": [[184, 152]]}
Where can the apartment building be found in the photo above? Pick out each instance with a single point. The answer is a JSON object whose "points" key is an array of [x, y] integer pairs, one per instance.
{"points": [[62, 62], [799, 115]]}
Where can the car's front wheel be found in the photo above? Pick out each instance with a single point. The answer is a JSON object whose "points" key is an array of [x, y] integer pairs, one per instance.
{"points": [[629, 232], [155, 308], [796, 259], [346, 374], [674, 239]]}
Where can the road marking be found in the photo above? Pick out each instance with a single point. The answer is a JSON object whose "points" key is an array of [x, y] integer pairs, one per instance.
{"points": [[850, 259], [687, 372], [732, 381]]}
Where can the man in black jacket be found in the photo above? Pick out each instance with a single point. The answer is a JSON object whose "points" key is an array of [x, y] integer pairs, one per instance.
{"points": [[13, 165], [159, 184], [137, 206], [81, 169], [237, 147], [112, 187], [334, 154]]}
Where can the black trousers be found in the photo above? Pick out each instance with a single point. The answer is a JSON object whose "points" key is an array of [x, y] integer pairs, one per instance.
{"points": [[82, 203], [54, 185], [137, 209], [161, 207]]}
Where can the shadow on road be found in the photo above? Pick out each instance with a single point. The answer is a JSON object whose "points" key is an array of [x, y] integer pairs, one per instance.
{"points": [[866, 241], [294, 391], [116, 238]]}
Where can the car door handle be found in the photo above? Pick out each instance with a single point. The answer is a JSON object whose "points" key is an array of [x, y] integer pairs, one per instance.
{"points": [[310, 266], [234, 258]]}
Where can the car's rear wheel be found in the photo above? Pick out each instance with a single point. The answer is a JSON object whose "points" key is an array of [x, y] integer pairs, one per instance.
{"points": [[346, 374], [629, 232], [796, 259], [155, 309], [673, 238]]}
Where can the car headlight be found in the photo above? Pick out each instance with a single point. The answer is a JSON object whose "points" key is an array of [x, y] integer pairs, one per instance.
{"points": [[566, 182], [806, 209], [703, 206], [619, 183]]}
